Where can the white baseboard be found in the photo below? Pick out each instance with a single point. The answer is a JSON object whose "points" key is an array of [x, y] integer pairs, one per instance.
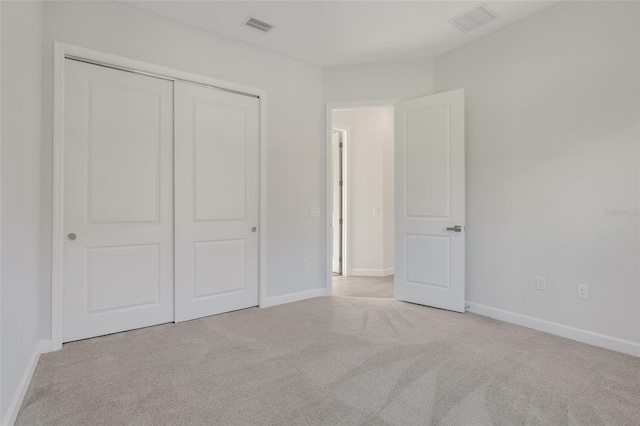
{"points": [[372, 272], [294, 297], [584, 336], [43, 346]]}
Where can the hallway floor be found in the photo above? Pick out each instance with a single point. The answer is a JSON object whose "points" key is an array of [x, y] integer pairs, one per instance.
{"points": [[353, 286]]}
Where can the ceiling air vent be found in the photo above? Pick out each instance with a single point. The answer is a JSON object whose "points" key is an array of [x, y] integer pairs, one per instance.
{"points": [[472, 19], [258, 24]]}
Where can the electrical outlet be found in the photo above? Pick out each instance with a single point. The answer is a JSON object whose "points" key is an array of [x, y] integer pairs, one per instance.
{"points": [[314, 212], [305, 264], [541, 283], [583, 291]]}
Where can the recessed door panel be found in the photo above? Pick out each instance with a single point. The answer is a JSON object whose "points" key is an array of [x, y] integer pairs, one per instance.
{"points": [[428, 260], [216, 211], [428, 147], [220, 267], [118, 201], [220, 161], [119, 148], [123, 277]]}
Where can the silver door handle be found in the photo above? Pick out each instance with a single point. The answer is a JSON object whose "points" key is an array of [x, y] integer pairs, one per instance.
{"points": [[456, 228], [71, 236], [254, 229]]}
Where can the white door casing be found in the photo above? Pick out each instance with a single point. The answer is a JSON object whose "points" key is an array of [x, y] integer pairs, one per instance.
{"points": [[429, 199], [337, 203], [118, 201], [216, 201]]}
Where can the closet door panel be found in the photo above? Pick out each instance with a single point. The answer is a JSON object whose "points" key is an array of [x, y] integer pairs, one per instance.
{"points": [[216, 211], [118, 201]]}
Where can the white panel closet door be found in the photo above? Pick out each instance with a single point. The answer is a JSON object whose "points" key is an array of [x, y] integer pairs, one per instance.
{"points": [[216, 211], [118, 201], [430, 192]]}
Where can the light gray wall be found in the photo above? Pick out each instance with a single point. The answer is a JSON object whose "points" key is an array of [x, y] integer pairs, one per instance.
{"points": [[295, 127], [388, 190], [20, 216], [378, 81], [370, 243], [552, 143]]}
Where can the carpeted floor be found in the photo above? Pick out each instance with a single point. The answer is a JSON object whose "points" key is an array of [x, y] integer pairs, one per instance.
{"points": [[330, 361], [356, 286]]}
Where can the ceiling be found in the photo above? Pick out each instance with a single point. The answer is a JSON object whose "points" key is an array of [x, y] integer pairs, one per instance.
{"points": [[329, 33]]}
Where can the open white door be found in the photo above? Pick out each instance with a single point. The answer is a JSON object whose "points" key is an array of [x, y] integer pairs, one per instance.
{"points": [[217, 201], [429, 197]]}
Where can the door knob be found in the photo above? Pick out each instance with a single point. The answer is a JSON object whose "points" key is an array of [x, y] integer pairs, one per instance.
{"points": [[254, 229], [71, 236], [456, 228]]}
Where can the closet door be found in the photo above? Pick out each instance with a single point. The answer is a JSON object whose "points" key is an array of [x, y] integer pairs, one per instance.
{"points": [[216, 193], [118, 201]]}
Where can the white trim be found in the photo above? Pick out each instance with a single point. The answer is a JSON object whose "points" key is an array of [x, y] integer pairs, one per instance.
{"points": [[638, 319], [580, 335], [1, 413], [45, 346], [60, 50], [293, 297], [328, 178], [372, 272], [14, 407], [346, 132], [377, 103]]}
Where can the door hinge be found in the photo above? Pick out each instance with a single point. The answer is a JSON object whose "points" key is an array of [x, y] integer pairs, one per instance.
{"points": [[340, 144], [341, 221], [341, 182]]}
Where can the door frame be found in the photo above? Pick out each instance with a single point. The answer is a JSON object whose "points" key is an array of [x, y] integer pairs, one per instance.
{"points": [[328, 239], [60, 53], [344, 138]]}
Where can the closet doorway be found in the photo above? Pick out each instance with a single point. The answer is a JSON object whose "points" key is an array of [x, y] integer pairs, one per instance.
{"points": [[160, 203]]}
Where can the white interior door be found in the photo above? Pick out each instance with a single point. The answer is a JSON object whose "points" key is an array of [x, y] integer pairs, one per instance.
{"points": [[217, 201], [430, 195], [336, 153], [118, 201]]}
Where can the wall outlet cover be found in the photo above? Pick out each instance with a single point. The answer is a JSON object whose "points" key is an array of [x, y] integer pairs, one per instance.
{"points": [[583, 291]]}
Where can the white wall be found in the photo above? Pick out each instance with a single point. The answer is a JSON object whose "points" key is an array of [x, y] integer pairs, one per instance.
{"points": [[20, 224], [378, 81], [370, 197], [552, 142], [295, 127], [388, 188]]}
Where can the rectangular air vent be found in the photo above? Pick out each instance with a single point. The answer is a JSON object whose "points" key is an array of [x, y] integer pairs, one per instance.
{"points": [[258, 24], [472, 19]]}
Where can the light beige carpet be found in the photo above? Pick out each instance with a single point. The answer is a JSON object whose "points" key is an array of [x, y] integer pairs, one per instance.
{"points": [[334, 361], [357, 286]]}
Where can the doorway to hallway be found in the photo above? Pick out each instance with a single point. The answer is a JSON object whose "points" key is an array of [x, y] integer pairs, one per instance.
{"points": [[426, 189], [359, 286], [362, 249]]}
